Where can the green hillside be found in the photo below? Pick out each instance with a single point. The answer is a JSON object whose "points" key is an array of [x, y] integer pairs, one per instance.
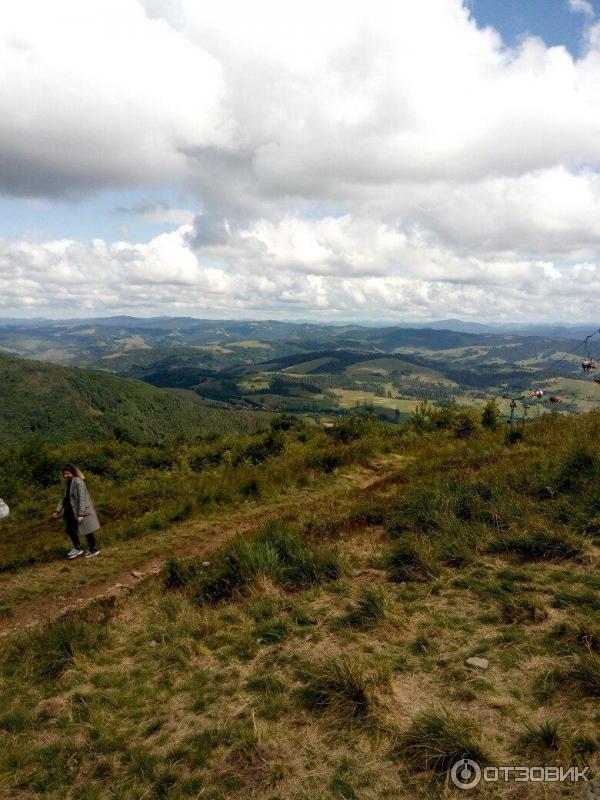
{"points": [[63, 403], [340, 612]]}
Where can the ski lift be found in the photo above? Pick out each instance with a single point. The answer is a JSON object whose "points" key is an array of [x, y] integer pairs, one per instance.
{"points": [[554, 399], [588, 364]]}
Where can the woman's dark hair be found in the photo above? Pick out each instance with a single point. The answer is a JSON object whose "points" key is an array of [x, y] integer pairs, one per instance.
{"points": [[73, 469]]}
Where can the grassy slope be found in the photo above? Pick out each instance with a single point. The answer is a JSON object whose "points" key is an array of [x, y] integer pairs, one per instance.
{"points": [[62, 403], [351, 687]]}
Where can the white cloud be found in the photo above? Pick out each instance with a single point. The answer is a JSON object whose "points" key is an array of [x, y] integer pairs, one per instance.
{"points": [[582, 7], [256, 274], [344, 158]]}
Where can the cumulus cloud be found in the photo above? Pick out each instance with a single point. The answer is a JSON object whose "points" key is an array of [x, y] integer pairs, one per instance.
{"points": [[256, 273], [345, 158], [581, 7]]}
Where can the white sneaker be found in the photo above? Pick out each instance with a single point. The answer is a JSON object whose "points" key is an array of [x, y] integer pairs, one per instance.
{"points": [[92, 554], [75, 552]]}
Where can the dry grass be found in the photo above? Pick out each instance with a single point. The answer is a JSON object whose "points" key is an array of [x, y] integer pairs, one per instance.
{"points": [[353, 687]]}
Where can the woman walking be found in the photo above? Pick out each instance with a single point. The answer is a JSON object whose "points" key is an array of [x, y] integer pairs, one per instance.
{"points": [[78, 512]]}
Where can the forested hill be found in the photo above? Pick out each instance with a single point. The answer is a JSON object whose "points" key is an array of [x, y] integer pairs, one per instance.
{"points": [[65, 403]]}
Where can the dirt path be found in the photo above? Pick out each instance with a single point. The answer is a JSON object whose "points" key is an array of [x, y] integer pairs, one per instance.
{"points": [[44, 592]]}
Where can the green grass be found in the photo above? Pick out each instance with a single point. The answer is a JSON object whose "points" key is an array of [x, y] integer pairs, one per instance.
{"points": [[540, 545], [369, 609], [412, 560], [436, 739], [321, 654], [340, 686], [276, 552]]}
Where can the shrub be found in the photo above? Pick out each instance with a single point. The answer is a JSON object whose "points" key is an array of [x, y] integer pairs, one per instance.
{"points": [[411, 560], [437, 739], [326, 460], [207, 457], [465, 426], [250, 488], [513, 435], [181, 512], [259, 451], [490, 416], [350, 428]]}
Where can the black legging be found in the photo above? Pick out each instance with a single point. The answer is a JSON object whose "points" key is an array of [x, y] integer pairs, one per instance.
{"points": [[73, 534]]}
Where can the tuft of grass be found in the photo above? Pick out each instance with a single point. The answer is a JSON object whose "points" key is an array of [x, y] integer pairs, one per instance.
{"points": [[275, 551], [522, 608], [436, 739], [539, 739], [540, 545], [370, 608], [50, 651], [340, 685], [178, 574], [272, 631], [585, 673], [579, 634], [548, 684], [411, 560]]}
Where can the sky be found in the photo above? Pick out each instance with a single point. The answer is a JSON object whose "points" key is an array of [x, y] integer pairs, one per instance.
{"points": [[396, 160]]}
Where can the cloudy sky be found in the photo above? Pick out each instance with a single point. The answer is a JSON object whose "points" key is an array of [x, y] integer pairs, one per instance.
{"points": [[331, 159]]}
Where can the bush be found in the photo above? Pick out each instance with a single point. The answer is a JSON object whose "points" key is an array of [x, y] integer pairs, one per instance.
{"points": [[436, 740], [207, 457], [326, 460], [490, 416], [465, 426], [513, 435]]}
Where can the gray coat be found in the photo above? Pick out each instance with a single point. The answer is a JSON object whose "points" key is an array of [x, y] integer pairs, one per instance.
{"points": [[82, 506]]}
